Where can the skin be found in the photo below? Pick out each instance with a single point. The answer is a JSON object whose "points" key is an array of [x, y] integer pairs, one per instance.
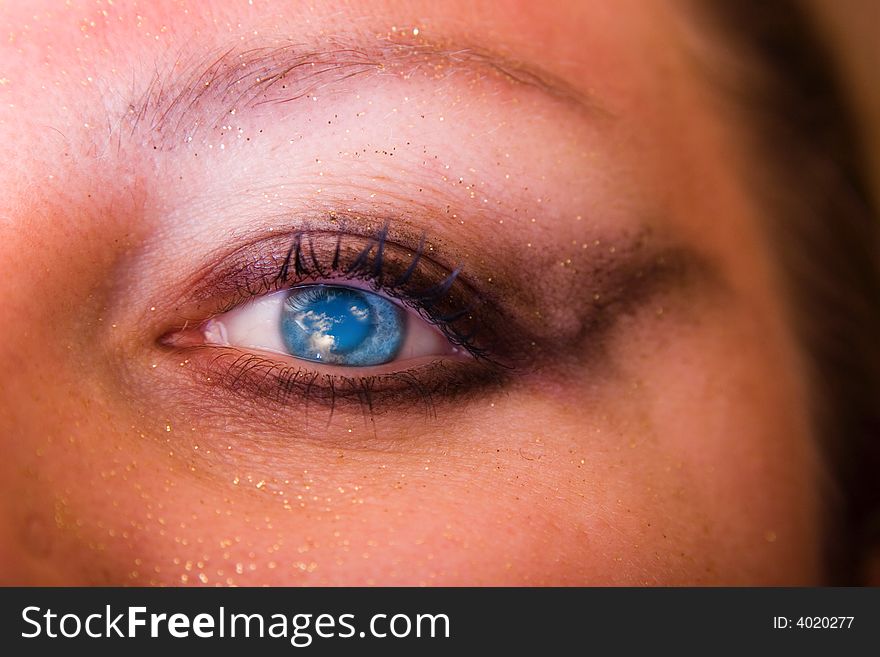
{"points": [[675, 448]]}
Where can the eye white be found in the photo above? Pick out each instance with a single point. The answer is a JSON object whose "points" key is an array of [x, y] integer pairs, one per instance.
{"points": [[256, 324]]}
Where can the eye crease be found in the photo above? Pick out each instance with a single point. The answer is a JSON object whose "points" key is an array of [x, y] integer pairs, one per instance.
{"points": [[330, 324]]}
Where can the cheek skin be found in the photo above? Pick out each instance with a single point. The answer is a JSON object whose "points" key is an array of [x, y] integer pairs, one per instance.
{"points": [[541, 510]]}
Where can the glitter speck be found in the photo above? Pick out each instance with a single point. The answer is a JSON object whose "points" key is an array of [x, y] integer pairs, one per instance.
{"points": [[415, 31]]}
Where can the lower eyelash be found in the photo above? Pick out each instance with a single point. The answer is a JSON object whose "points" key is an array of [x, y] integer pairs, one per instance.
{"points": [[257, 377]]}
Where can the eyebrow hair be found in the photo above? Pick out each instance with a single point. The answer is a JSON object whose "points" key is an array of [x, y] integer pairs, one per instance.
{"points": [[203, 94]]}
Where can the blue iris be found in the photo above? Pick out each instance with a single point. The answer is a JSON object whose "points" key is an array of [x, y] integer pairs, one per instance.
{"points": [[341, 325]]}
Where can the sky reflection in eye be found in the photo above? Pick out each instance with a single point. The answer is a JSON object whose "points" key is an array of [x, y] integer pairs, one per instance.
{"points": [[342, 326]]}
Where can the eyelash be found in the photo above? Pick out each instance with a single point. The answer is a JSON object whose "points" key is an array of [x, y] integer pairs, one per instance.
{"points": [[440, 295], [373, 272], [265, 379]]}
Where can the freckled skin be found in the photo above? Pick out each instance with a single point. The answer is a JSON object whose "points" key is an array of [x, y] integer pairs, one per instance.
{"points": [[688, 458]]}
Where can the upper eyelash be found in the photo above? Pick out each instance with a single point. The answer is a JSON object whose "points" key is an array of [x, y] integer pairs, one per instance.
{"points": [[301, 262]]}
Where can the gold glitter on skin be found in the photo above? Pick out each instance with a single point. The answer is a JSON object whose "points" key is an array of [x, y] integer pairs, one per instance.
{"points": [[146, 481]]}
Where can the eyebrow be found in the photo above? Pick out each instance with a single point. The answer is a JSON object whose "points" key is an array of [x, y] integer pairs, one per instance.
{"points": [[203, 94]]}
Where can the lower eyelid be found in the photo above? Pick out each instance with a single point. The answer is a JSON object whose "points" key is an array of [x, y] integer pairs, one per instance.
{"points": [[270, 382], [309, 367]]}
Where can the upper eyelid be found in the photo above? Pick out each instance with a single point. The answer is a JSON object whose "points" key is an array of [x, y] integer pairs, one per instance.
{"points": [[264, 254], [271, 263]]}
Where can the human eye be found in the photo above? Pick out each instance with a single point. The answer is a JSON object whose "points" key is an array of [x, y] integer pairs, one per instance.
{"points": [[330, 324], [343, 315]]}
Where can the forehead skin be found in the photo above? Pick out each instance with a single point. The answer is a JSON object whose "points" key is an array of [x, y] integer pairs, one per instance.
{"points": [[690, 459]]}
